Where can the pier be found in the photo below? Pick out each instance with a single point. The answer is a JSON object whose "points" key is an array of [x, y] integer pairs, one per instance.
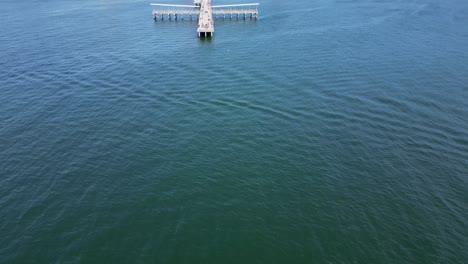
{"points": [[204, 12]]}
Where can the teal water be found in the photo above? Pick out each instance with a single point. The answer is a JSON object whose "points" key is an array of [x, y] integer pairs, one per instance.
{"points": [[325, 132]]}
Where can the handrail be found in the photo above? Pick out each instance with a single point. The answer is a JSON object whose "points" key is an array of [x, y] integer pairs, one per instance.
{"points": [[253, 4]]}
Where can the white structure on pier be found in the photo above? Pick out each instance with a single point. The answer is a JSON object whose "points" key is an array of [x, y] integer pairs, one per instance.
{"points": [[204, 12]]}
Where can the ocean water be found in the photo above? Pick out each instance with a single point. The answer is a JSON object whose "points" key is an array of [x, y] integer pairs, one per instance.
{"points": [[328, 131]]}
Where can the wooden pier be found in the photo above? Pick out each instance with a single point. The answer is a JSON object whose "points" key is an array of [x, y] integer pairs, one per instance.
{"points": [[205, 12]]}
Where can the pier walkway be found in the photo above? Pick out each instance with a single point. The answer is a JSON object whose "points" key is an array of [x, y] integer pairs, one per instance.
{"points": [[205, 12], [205, 19]]}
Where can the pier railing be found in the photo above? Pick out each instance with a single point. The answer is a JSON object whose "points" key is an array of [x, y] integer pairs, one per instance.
{"points": [[177, 14]]}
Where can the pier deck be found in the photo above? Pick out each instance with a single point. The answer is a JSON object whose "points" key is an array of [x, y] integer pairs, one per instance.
{"points": [[205, 19]]}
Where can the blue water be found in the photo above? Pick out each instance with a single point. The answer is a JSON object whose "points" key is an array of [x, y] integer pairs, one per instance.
{"points": [[325, 132]]}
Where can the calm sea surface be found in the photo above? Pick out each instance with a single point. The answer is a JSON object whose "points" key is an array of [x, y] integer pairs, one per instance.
{"points": [[325, 132]]}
